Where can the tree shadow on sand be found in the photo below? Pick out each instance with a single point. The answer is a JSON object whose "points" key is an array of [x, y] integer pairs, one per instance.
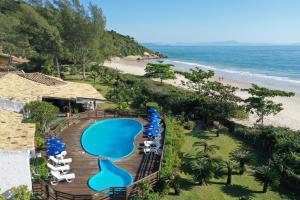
{"points": [[238, 191]]}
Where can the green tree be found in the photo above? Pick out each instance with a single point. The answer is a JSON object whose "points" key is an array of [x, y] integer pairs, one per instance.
{"points": [[121, 94], [43, 37], [93, 75], [197, 78], [41, 112], [266, 175], [145, 192], [205, 168], [83, 32], [218, 101], [229, 165], [161, 71], [260, 104], [242, 156], [206, 147], [39, 169], [21, 193]]}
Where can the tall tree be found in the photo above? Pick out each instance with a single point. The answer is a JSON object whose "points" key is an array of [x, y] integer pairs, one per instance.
{"points": [[229, 165], [266, 175], [260, 103], [242, 156], [159, 70], [197, 78], [43, 37], [83, 31]]}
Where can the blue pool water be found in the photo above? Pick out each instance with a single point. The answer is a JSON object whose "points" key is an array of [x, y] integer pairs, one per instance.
{"points": [[109, 176], [113, 139]]}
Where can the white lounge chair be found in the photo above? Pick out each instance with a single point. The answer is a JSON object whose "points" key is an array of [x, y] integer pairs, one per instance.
{"points": [[63, 169], [154, 142], [155, 150], [60, 161], [57, 177], [62, 155]]}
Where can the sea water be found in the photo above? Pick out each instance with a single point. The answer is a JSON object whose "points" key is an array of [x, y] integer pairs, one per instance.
{"points": [[271, 66]]}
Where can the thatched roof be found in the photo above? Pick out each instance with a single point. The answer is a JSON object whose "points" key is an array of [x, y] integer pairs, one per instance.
{"points": [[31, 87], [15, 135]]}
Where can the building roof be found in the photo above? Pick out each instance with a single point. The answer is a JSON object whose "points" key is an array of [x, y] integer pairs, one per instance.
{"points": [[34, 86], [15, 135], [15, 59]]}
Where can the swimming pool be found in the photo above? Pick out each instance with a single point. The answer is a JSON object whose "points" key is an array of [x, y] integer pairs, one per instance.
{"points": [[112, 139], [109, 176]]}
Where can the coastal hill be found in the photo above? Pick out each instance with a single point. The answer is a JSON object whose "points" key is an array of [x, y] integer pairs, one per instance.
{"points": [[51, 34]]}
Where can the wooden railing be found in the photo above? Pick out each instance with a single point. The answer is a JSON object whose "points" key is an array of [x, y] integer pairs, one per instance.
{"points": [[45, 190]]}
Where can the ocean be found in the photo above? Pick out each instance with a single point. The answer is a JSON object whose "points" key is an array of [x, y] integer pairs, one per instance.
{"points": [[276, 67]]}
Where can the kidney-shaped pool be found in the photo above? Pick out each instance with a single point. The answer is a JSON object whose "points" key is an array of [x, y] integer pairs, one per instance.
{"points": [[112, 139]]}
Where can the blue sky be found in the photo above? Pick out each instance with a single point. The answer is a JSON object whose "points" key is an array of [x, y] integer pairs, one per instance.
{"points": [[193, 21]]}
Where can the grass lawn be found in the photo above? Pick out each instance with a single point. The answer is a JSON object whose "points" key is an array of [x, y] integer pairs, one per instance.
{"points": [[216, 188]]}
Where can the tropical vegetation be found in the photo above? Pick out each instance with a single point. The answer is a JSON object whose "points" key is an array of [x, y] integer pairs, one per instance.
{"points": [[54, 33]]}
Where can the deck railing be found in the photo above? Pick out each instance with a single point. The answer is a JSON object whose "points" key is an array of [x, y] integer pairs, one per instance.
{"points": [[44, 189]]}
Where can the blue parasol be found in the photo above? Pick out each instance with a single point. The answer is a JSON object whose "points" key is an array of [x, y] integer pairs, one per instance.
{"points": [[151, 132], [55, 150], [52, 141], [154, 115], [152, 125], [151, 110], [153, 119]]}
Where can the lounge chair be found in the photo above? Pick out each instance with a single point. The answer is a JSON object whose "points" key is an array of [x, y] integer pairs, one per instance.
{"points": [[62, 155], [57, 177], [155, 142], [155, 150], [60, 161], [63, 169]]}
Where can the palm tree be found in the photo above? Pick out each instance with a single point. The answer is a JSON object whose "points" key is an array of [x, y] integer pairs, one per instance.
{"points": [[207, 148], [174, 183], [205, 168], [266, 175], [93, 75], [242, 156], [229, 165]]}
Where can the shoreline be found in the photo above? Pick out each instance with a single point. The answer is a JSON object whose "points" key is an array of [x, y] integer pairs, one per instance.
{"points": [[289, 117]]}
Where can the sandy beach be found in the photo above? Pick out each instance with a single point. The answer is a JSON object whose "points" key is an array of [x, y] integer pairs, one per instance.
{"points": [[289, 117]]}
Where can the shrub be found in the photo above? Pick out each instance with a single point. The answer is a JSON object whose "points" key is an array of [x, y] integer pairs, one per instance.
{"points": [[174, 141], [153, 104], [189, 125], [39, 142], [21, 193], [222, 131], [39, 170], [41, 112]]}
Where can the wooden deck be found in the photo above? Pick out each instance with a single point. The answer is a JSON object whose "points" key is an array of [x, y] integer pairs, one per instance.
{"points": [[85, 165]]}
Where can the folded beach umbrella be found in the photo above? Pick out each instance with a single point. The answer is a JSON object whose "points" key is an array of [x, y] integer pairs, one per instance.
{"points": [[152, 110], [60, 147], [54, 150], [52, 141], [154, 120], [154, 115], [151, 132], [152, 125]]}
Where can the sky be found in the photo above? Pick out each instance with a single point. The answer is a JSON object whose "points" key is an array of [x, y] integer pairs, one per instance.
{"points": [[196, 21]]}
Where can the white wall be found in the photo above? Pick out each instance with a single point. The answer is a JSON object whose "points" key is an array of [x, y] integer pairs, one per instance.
{"points": [[14, 169], [11, 105]]}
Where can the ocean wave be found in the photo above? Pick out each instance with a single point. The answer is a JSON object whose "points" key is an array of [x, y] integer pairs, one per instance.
{"points": [[238, 72]]}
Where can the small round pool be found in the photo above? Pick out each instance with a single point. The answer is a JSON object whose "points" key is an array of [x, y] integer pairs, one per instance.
{"points": [[112, 138]]}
